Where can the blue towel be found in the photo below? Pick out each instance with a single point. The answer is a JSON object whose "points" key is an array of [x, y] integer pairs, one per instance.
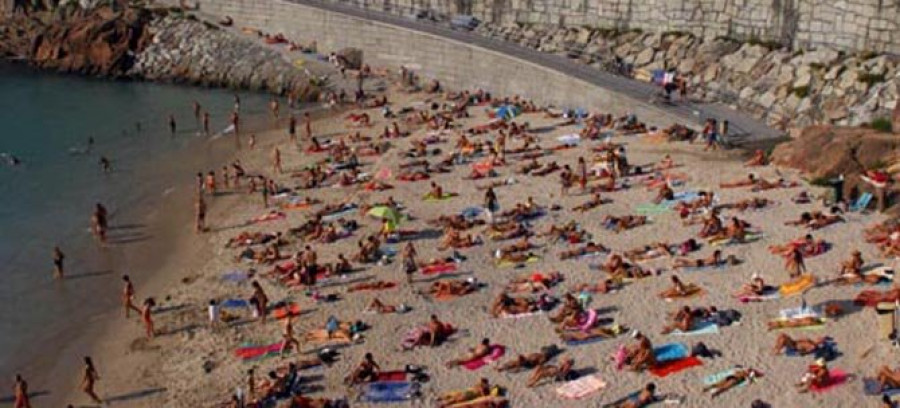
{"points": [[235, 276], [471, 212], [583, 342], [235, 303], [871, 387], [670, 352], [339, 214], [388, 391], [862, 202], [706, 327]]}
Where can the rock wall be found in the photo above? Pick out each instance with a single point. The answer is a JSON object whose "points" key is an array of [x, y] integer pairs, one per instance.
{"points": [[789, 89], [457, 65], [855, 25]]}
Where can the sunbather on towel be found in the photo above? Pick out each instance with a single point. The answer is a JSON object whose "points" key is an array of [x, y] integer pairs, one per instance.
{"points": [[815, 220], [529, 361], [589, 249], [480, 351], [506, 305], [452, 288], [536, 282], [753, 203], [817, 375], [481, 389], [802, 346], [713, 260], [808, 246], [640, 356], [887, 378], [593, 333], [643, 398], [734, 379], [683, 320], [570, 310], [594, 202], [798, 322], [563, 372], [756, 287], [619, 224]]}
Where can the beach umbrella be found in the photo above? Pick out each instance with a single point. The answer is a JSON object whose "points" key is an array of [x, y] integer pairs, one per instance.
{"points": [[387, 213], [507, 112]]}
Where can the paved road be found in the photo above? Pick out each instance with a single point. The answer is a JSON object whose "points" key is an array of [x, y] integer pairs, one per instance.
{"points": [[744, 127]]}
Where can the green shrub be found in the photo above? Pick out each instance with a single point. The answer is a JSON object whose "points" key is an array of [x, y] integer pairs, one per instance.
{"points": [[882, 125], [870, 79]]}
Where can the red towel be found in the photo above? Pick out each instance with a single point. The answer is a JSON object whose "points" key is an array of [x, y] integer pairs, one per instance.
{"points": [[391, 376], [674, 366], [439, 268]]}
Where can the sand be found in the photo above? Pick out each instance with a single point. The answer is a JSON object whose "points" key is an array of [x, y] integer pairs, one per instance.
{"points": [[169, 370]]}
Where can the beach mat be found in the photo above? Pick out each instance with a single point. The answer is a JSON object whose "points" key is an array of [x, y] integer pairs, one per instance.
{"points": [[391, 376], [445, 267], [497, 351], [702, 328], [235, 303], [384, 392], [670, 352], [797, 286], [715, 378], [671, 367], [836, 378], [872, 387], [291, 309], [251, 352], [581, 387]]}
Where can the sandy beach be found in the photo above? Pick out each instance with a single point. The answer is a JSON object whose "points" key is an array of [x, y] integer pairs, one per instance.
{"points": [[192, 365]]}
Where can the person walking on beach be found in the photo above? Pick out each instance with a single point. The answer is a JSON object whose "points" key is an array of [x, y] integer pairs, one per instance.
{"points": [[236, 123], [58, 263], [20, 393], [128, 296], [197, 110], [292, 129], [289, 340], [265, 191], [89, 378], [147, 317], [200, 208], [274, 107], [105, 165], [98, 223], [409, 261], [237, 103], [307, 122], [206, 123], [582, 174], [491, 204], [276, 160], [173, 127]]}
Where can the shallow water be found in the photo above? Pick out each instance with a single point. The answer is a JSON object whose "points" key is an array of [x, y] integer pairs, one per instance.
{"points": [[46, 121]]}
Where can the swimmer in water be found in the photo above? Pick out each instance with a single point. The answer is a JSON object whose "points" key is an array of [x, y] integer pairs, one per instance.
{"points": [[105, 165]]}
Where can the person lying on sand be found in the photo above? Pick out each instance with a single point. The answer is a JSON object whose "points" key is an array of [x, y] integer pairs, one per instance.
{"points": [[563, 372], [648, 252], [802, 346], [639, 356], [713, 260], [481, 350], [764, 184], [704, 200], [750, 180], [665, 193], [452, 288], [683, 320], [378, 307], [753, 203], [529, 361], [593, 333], [644, 398], [481, 389], [255, 238], [570, 310], [756, 287], [679, 289], [735, 379], [536, 282], [590, 248], [807, 245], [453, 239], [521, 245], [505, 305], [619, 224], [456, 221], [817, 375], [594, 202], [815, 220], [603, 286], [797, 322], [376, 285], [735, 231], [520, 231]]}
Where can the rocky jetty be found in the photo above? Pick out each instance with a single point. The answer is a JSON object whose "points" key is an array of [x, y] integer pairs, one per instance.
{"points": [[789, 89], [149, 44]]}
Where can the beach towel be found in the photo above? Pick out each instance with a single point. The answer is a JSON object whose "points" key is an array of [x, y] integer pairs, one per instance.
{"points": [[290, 309], [235, 276], [701, 328], [748, 239], [581, 387], [391, 376], [446, 196], [338, 214], [872, 387], [671, 367], [444, 267], [585, 341], [382, 392], [691, 290], [507, 264], [797, 286], [670, 352], [836, 377], [481, 401], [235, 303], [681, 196], [652, 209], [471, 212], [251, 352], [798, 312], [496, 352], [816, 326], [861, 203], [521, 315], [770, 294]]}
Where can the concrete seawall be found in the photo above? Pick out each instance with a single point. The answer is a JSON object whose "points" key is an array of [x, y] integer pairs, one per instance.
{"points": [[455, 64]]}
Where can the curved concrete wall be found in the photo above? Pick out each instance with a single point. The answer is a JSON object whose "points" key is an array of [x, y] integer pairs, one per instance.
{"points": [[455, 64]]}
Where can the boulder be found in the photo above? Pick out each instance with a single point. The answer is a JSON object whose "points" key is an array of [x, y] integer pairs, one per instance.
{"points": [[353, 57], [645, 57]]}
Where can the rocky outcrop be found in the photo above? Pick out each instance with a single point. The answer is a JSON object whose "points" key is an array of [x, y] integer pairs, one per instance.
{"points": [[788, 89], [144, 44], [186, 50]]}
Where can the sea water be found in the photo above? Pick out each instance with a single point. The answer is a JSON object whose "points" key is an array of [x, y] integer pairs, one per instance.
{"points": [[46, 121]]}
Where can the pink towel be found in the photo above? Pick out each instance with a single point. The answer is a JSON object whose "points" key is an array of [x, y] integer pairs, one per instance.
{"points": [[836, 378], [497, 351]]}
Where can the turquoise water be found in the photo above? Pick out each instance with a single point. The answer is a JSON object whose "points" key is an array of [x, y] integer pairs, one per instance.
{"points": [[48, 199]]}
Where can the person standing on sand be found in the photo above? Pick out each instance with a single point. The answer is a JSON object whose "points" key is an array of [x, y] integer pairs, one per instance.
{"points": [[58, 259], [288, 338], [98, 224], [265, 191], [292, 129], [409, 261], [262, 301], [236, 123], [128, 297], [197, 110], [205, 123], [89, 378], [274, 107], [491, 205], [200, 209], [105, 165], [583, 174], [276, 160], [307, 122], [20, 393], [147, 317], [237, 103], [173, 127], [226, 177]]}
